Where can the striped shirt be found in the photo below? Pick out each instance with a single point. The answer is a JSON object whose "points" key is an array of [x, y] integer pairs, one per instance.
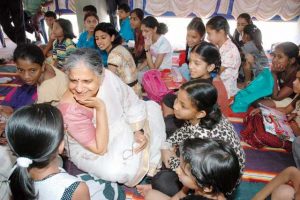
{"points": [[61, 50]]}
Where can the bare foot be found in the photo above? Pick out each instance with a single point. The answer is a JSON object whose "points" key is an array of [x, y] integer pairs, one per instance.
{"points": [[143, 189]]}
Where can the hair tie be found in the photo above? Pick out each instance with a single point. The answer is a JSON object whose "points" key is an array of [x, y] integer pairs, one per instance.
{"points": [[24, 162]]}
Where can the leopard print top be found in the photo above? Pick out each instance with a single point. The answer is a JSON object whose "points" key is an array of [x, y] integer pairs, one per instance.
{"points": [[224, 131]]}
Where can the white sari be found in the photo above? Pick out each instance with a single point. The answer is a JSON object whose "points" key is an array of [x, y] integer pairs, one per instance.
{"points": [[126, 114]]}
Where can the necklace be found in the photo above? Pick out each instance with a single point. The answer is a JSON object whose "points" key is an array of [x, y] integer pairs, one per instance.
{"points": [[49, 176]]}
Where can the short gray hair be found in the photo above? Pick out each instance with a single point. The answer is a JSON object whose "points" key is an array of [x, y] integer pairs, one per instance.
{"points": [[89, 56]]}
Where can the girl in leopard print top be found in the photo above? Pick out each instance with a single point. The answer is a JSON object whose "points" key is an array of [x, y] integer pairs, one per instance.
{"points": [[196, 103]]}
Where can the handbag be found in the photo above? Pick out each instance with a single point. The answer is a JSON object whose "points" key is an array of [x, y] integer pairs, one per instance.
{"points": [[154, 86], [255, 135]]}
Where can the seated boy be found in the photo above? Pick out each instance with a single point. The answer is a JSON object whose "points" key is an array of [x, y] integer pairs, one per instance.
{"points": [[50, 18], [126, 31]]}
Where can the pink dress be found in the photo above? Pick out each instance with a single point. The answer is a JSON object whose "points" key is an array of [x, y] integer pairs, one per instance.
{"points": [[78, 119]]}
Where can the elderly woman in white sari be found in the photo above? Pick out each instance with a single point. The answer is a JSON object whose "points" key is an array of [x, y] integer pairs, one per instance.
{"points": [[111, 133]]}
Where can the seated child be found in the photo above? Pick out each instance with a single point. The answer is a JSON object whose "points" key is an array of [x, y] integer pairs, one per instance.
{"points": [[86, 38], [41, 82], [158, 49], [126, 31], [37, 174], [63, 44], [194, 36], [209, 167], [258, 138], [243, 20], [217, 29], [204, 60], [120, 60], [50, 17], [285, 64], [196, 104], [136, 17], [256, 58]]}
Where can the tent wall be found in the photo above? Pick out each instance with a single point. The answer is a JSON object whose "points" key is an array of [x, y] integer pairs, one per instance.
{"points": [[260, 9]]}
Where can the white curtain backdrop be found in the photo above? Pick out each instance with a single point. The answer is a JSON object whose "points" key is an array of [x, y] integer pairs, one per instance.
{"points": [[137, 4], [261, 9], [181, 8], [266, 9]]}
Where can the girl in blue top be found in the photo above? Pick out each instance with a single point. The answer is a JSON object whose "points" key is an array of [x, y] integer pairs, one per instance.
{"points": [[86, 38]]}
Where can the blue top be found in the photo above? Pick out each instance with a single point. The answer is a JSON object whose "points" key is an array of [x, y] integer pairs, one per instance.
{"points": [[104, 56], [84, 42], [126, 31]]}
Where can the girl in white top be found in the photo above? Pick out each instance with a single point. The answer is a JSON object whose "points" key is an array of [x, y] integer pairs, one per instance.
{"points": [[158, 49], [35, 134], [217, 29]]}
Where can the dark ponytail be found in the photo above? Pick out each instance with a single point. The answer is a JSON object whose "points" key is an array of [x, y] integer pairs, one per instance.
{"points": [[255, 35], [34, 134], [209, 54], [204, 96], [21, 185], [151, 22], [162, 29], [220, 23]]}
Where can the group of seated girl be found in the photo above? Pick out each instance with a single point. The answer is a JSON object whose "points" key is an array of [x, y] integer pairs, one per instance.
{"points": [[106, 125], [38, 175], [114, 135]]}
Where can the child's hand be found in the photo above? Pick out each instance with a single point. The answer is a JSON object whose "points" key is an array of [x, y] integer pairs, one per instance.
{"points": [[277, 68], [52, 37], [148, 41]]}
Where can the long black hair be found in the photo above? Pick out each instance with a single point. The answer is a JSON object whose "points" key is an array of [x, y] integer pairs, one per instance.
{"points": [[219, 23], [236, 34], [204, 97], [255, 35], [209, 53], [67, 28], [139, 13], [34, 132], [110, 30], [213, 163], [151, 22]]}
